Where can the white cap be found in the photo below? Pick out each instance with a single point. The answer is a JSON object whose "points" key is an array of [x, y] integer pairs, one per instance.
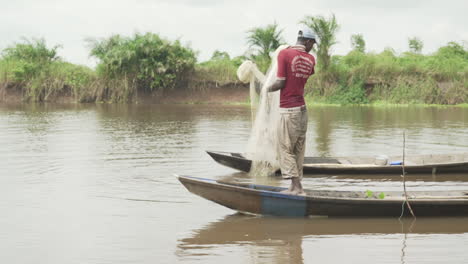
{"points": [[306, 32]]}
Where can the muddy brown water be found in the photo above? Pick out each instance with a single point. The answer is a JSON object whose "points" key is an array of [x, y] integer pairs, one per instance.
{"points": [[95, 184]]}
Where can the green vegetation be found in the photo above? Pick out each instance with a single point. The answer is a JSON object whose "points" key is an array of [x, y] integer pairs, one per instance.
{"points": [[371, 194], [415, 45], [220, 70], [40, 74], [264, 41], [409, 78], [358, 43], [146, 63], [326, 29]]}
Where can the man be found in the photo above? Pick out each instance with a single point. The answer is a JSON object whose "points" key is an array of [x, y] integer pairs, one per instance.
{"points": [[295, 65]]}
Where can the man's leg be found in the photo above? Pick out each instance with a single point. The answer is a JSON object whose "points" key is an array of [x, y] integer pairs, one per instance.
{"points": [[289, 131], [299, 150], [296, 186], [287, 140]]}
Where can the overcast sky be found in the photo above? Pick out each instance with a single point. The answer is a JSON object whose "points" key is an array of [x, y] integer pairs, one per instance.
{"points": [[207, 25]]}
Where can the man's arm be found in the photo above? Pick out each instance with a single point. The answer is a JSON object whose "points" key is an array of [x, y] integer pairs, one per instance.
{"points": [[280, 73], [277, 85]]}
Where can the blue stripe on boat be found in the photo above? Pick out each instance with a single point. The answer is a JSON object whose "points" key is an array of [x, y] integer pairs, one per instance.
{"points": [[274, 202], [284, 206]]}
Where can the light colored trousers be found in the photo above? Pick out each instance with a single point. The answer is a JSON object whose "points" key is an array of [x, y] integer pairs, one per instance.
{"points": [[292, 135]]}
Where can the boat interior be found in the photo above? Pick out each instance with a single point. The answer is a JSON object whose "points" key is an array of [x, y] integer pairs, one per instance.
{"points": [[449, 194], [410, 160]]}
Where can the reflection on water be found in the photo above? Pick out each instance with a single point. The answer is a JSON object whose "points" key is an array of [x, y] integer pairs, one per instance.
{"points": [[368, 130], [281, 240], [95, 184]]}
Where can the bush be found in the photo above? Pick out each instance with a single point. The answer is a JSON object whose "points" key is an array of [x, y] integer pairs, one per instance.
{"points": [[144, 62], [38, 70], [350, 94], [220, 70], [28, 59], [408, 78]]}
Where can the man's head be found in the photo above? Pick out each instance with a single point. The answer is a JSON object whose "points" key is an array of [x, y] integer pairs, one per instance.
{"points": [[307, 38]]}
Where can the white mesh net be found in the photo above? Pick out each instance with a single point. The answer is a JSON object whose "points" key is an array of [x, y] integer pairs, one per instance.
{"points": [[262, 147]]}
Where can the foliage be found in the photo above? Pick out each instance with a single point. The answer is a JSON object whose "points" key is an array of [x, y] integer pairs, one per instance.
{"points": [[371, 194], [76, 79], [40, 73], [358, 43], [326, 29], [220, 55], [31, 50], [264, 40], [220, 70], [356, 78], [144, 62], [350, 94], [415, 45], [29, 58]]}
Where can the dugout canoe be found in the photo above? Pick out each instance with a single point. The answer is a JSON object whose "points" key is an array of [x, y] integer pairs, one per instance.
{"points": [[268, 200], [431, 163]]}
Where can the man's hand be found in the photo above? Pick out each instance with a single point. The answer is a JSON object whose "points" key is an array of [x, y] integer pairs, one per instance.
{"points": [[277, 85]]}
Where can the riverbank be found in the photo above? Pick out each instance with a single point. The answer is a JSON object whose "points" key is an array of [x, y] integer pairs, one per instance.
{"points": [[231, 93]]}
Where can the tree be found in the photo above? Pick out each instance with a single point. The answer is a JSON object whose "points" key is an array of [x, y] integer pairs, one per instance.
{"points": [[148, 61], [326, 30], [220, 55], [358, 43], [453, 49], [415, 45], [32, 57], [265, 40], [34, 50]]}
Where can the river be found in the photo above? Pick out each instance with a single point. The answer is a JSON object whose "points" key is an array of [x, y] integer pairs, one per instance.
{"points": [[96, 184]]}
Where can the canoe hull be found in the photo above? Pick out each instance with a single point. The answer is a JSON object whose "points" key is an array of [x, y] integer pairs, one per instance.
{"points": [[238, 162], [231, 160], [266, 200]]}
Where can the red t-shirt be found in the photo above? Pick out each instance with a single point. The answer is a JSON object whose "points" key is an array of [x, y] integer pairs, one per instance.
{"points": [[295, 66]]}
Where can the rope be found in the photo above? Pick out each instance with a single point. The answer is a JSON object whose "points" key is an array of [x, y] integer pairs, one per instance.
{"points": [[404, 182]]}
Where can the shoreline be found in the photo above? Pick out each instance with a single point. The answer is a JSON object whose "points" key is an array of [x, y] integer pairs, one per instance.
{"points": [[230, 94]]}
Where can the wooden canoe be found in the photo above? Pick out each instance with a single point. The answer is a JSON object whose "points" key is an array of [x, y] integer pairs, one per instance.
{"points": [[437, 163], [268, 200]]}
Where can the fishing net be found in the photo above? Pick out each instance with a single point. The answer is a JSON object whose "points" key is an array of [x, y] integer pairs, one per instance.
{"points": [[262, 147]]}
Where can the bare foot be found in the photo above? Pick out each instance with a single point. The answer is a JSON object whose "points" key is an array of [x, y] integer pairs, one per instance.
{"points": [[301, 193], [295, 188], [288, 191], [294, 192]]}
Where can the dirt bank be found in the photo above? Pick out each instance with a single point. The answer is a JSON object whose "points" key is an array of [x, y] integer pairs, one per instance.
{"points": [[14, 93], [220, 95], [231, 93]]}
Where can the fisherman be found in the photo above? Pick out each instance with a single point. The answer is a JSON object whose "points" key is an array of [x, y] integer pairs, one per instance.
{"points": [[295, 66]]}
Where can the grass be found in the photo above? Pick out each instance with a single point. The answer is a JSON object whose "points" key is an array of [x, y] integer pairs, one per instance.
{"points": [[219, 71], [40, 74], [361, 78]]}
